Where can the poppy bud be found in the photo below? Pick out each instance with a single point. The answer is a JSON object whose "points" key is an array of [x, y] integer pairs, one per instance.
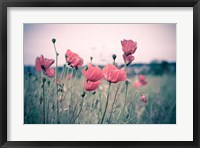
{"points": [[43, 79], [66, 56], [29, 74], [94, 93], [83, 94], [53, 40], [143, 98], [49, 82], [114, 56], [91, 58], [86, 67], [126, 82]]}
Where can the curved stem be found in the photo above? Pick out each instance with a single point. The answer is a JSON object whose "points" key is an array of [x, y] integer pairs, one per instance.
{"points": [[113, 62], [43, 95], [25, 99], [114, 102], [126, 90], [79, 111], [106, 104], [56, 78], [72, 84], [132, 103], [63, 73]]}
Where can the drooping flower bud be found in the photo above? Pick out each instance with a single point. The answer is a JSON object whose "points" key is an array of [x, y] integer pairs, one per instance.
{"points": [[86, 67], [91, 58], [83, 94], [143, 98], [126, 82], [43, 79], [53, 40], [48, 82], [114, 56]]}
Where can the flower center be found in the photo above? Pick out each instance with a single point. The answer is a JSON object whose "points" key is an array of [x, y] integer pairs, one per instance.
{"points": [[43, 67]]}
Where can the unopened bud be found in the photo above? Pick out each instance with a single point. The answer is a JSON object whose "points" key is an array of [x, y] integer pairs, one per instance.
{"points": [[83, 94], [86, 67], [143, 98], [127, 82], [114, 56], [29, 74], [43, 79], [49, 82], [53, 40]]}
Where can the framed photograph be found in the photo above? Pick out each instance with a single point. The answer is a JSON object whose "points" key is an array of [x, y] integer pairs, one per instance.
{"points": [[122, 73]]}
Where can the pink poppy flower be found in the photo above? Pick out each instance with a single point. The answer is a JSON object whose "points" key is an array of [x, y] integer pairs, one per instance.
{"points": [[44, 64], [91, 86], [137, 84], [93, 73], [128, 58], [142, 79], [113, 74], [128, 46], [73, 59], [143, 98]]}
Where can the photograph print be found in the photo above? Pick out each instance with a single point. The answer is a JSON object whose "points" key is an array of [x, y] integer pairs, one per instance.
{"points": [[99, 73]]}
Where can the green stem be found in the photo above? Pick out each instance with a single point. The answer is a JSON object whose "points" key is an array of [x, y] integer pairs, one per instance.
{"points": [[47, 111], [79, 111], [56, 78], [44, 120], [25, 98], [63, 73], [132, 103], [113, 103], [122, 111], [72, 84], [106, 104], [67, 72], [113, 62], [71, 90]]}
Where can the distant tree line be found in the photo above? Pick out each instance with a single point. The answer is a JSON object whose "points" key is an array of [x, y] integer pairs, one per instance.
{"points": [[153, 68]]}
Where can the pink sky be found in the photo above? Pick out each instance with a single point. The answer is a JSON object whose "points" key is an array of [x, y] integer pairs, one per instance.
{"points": [[155, 41]]}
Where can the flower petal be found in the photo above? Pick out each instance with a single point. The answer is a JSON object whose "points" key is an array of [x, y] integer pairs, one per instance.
{"points": [[50, 72]]}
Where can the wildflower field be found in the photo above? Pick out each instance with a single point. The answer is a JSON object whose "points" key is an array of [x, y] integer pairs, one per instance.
{"points": [[84, 93]]}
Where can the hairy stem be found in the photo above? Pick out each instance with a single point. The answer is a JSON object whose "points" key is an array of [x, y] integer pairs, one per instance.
{"points": [[56, 78], [44, 101], [113, 103], [122, 111], [106, 104], [79, 111]]}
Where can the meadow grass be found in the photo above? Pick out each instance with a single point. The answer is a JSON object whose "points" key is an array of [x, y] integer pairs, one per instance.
{"points": [[75, 109]]}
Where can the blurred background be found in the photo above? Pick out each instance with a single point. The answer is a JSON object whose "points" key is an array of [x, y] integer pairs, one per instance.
{"points": [[156, 52]]}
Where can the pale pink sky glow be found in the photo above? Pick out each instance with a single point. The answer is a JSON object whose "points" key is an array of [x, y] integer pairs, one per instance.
{"points": [[155, 41]]}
